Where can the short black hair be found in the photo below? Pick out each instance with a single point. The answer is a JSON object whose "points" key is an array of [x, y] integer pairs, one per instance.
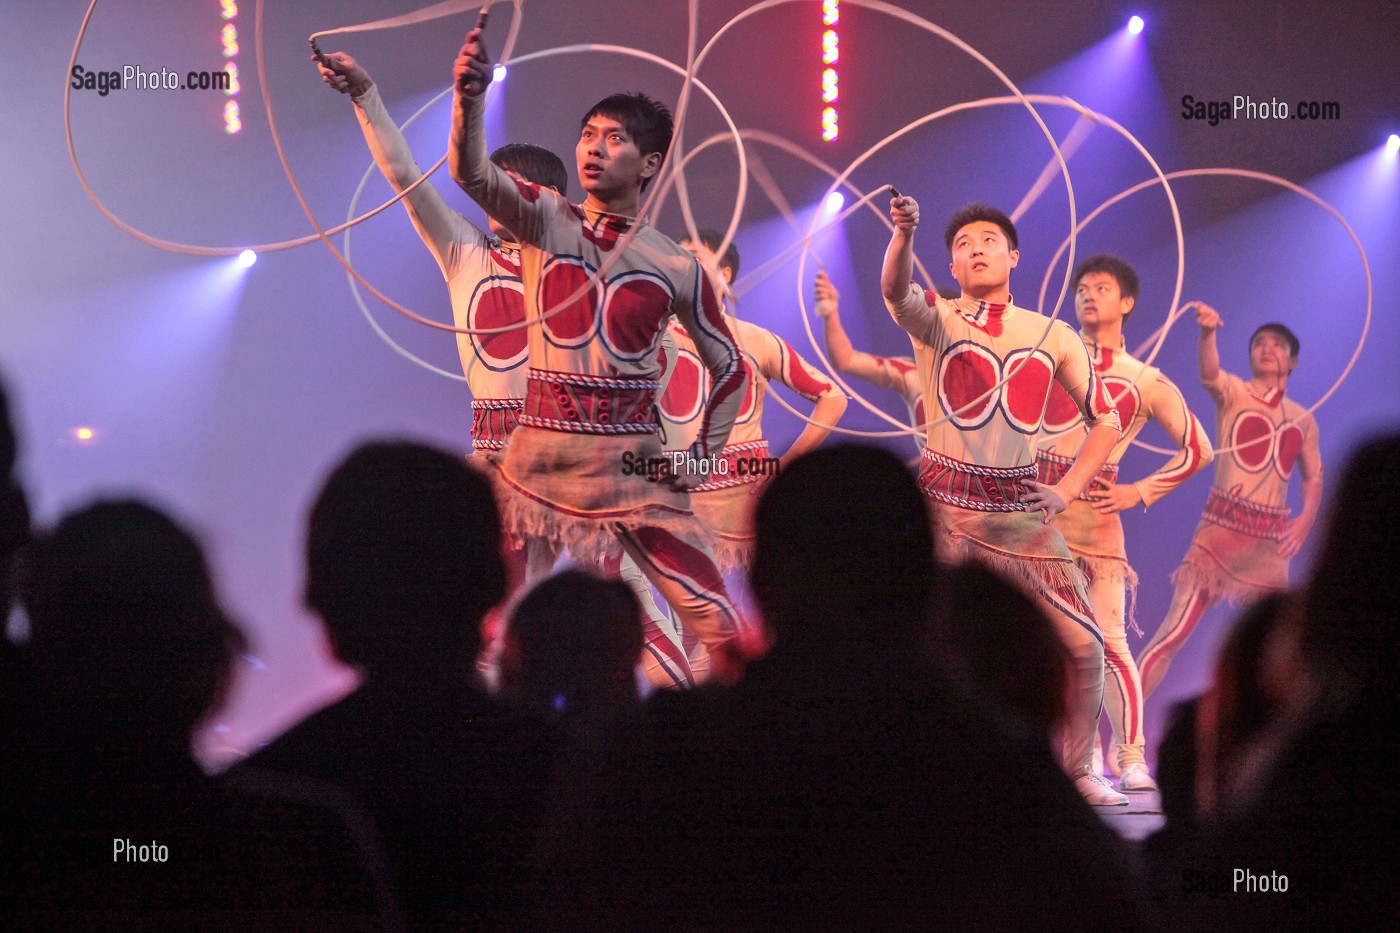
{"points": [[534, 163], [1282, 331], [125, 621], [842, 536], [1125, 275], [712, 240], [403, 554], [646, 120], [971, 215]]}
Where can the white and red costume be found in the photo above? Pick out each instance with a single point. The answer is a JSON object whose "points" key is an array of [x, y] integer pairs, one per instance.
{"points": [[901, 374], [725, 503], [1234, 554], [483, 280], [975, 460], [594, 375], [1141, 394]]}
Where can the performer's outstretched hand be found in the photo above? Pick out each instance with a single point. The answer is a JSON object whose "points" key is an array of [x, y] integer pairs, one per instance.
{"points": [[1113, 497], [1206, 316], [345, 74], [1294, 534], [904, 211], [1042, 496], [826, 295], [472, 71]]}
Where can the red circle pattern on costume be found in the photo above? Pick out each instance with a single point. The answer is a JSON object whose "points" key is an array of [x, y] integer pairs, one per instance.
{"points": [[969, 370], [633, 308], [1257, 445], [573, 326], [498, 301]]}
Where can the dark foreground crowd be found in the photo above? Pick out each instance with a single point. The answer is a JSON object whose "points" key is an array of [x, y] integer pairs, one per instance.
{"points": [[887, 765]]}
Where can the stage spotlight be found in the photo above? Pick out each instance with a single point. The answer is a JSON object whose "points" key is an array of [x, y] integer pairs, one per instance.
{"points": [[834, 202], [1392, 145], [498, 73], [1135, 25], [84, 434], [247, 258]]}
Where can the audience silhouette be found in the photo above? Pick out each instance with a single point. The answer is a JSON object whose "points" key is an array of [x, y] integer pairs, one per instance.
{"points": [[403, 561], [114, 825]]}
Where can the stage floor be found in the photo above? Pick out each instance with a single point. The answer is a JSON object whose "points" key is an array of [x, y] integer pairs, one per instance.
{"points": [[1139, 819]]}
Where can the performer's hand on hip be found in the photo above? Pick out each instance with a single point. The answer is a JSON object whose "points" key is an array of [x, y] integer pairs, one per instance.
{"points": [[1294, 534], [1042, 496], [344, 74], [683, 481], [472, 71], [904, 211], [1113, 497]]}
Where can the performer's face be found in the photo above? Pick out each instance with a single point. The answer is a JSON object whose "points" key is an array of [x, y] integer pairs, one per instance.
{"points": [[608, 160], [1270, 354], [982, 257], [1099, 301]]}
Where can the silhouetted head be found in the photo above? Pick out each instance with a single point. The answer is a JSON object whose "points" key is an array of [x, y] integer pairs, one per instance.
{"points": [[573, 641], [1248, 690], [981, 620], [403, 556], [124, 624], [14, 507], [844, 551], [1350, 636]]}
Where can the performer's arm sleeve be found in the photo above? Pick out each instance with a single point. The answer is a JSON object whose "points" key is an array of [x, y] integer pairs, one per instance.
{"points": [[442, 229], [699, 313], [784, 364], [1076, 375], [917, 312], [1310, 468], [847, 359], [887, 372], [1222, 386], [523, 207], [1168, 408], [670, 355]]}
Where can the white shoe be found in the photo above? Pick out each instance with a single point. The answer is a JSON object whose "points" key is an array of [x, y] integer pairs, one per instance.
{"points": [[1135, 778], [1097, 792]]}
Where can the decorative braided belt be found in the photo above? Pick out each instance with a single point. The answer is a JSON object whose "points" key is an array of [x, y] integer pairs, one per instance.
{"points": [[583, 404], [1230, 510], [969, 486], [1052, 468], [727, 460], [492, 421]]}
